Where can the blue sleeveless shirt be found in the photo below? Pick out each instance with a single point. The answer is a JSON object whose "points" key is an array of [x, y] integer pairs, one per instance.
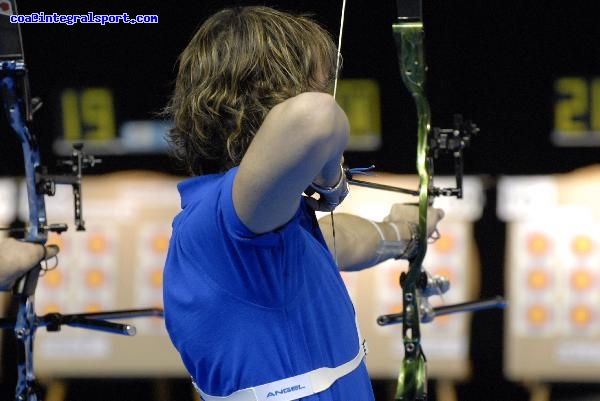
{"points": [[244, 309]]}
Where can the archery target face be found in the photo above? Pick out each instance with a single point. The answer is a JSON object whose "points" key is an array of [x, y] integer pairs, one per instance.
{"points": [[553, 280]]}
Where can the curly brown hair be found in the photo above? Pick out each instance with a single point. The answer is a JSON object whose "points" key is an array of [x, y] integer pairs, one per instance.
{"points": [[241, 63]]}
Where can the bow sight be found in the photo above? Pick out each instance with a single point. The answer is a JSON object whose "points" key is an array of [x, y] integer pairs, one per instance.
{"points": [[46, 183], [452, 141], [441, 141]]}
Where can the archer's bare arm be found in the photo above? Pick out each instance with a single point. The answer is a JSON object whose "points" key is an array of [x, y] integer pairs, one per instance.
{"points": [[357, 240], [301, 141], [17, 257]]}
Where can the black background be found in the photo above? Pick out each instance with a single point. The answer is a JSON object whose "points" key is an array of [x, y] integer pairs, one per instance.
{"points": [[495, 62]]}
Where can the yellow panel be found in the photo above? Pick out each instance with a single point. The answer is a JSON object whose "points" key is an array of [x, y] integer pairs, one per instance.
{"points": [[360, 100], [88, 114]]}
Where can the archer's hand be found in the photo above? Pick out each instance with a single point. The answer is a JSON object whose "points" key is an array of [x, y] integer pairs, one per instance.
{"points": [[329, 197], [402, 213], [17, 257]]}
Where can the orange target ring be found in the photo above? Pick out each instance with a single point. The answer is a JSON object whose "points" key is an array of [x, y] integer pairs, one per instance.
{"points": [[95, 278], [160, 243], [581, 279], [97, 243], [581, 315], [582, 245], [538, 279], [538, 244], [538, 315]]}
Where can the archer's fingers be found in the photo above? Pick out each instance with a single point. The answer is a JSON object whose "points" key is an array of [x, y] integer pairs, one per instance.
{"points": [[51, 251], [16, 257], [409, 212], [433, 218], [38, 252], [436, 214], [401, 212]]}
